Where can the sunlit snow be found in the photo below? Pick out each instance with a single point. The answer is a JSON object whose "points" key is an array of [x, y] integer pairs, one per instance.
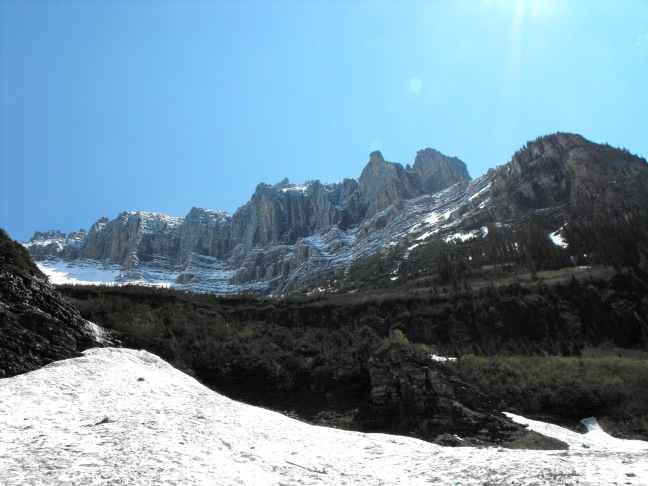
{"points": [[301, 188], [558, 238], [60, 272], [463, 236], [479, 193], [442, 358], [91, 272], [122, 417], [433, 218]]}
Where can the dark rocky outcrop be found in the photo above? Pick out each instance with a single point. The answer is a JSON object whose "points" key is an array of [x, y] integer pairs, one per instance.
{"points": [[565, 174], [411, 394], [37, 326]]}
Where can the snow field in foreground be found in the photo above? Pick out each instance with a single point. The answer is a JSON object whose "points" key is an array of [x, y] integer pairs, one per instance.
{"points": [[123, 417]]}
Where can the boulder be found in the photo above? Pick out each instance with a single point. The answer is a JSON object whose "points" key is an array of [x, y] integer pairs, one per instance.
{"points": [[412, 394]]}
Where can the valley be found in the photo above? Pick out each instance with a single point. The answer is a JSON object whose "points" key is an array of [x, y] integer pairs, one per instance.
{"points": [[331, 303]]}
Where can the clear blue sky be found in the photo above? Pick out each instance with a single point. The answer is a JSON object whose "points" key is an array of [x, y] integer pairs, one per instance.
{"points": [[108, 106]]}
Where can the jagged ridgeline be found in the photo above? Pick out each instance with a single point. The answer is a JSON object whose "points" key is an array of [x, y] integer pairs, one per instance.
{"points": [[290, 235], [280, 239], [285, 236]]}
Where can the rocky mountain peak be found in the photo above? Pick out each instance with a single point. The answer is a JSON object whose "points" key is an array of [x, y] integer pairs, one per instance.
{"points": [[552, 146], [433, 171], [283, 184], [567, 172], [197, 213], [381, 183], [48, 235], [46, 244], [376, 157]]}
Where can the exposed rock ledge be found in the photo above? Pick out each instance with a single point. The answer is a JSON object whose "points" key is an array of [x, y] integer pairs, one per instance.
{"points": [[37, 326], [411, 394]]}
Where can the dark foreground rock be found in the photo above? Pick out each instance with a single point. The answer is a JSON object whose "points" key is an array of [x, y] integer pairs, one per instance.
{"points": [[37, 326], [412, 394]]}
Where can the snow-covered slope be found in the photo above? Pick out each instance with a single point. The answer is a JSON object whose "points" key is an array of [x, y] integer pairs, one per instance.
{"points": [[123, 417]]}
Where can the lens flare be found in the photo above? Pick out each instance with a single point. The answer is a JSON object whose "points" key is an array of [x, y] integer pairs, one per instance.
{"points": [[415, 84]]}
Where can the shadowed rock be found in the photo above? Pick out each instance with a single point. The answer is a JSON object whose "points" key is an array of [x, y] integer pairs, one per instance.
{"points": [[411, 394], [37, 326]]}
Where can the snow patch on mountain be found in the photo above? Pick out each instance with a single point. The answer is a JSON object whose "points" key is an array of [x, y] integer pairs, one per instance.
{"points": [[93, 272], [79, 271], [121, 417], [558, 238]]}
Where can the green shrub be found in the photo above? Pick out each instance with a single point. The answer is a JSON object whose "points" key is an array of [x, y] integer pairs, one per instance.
{"points": [[574, 388]]}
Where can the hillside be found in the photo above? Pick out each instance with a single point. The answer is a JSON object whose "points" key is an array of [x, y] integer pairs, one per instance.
{"points": [[311, 355], [37, 326], [546, 256]]}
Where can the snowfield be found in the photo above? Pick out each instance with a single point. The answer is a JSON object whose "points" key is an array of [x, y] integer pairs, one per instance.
{"points": [[125, 417], [93, 272], [60, 272]]}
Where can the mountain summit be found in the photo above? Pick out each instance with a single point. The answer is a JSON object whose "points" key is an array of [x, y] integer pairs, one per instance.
{"points": [[382, 183], [290, 235]]}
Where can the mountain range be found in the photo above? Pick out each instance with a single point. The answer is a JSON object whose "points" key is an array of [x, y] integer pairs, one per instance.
{"points": [[541, 258], [288, 236]]}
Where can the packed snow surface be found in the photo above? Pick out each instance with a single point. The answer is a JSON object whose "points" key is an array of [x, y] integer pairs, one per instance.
{"points": [[93, 272], [124, 417], [60, 272]]}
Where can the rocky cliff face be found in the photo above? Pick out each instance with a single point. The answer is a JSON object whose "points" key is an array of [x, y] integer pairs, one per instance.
{"points": [[384, 183], [47, 244], [565, 172], [37, 326], [412, 394], [289, 235], [433, 171]]}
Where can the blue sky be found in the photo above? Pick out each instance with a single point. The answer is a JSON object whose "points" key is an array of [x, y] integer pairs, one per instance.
{"points": [[108, 106]]}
